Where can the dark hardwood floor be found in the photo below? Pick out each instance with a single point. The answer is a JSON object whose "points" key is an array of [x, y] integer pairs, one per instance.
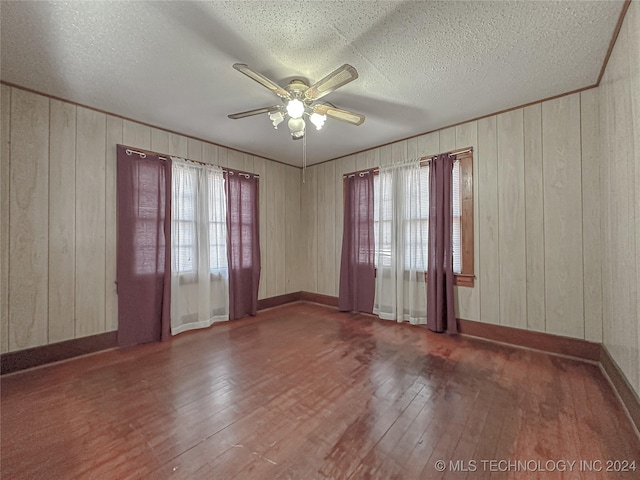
{"points": [[304, 392]]}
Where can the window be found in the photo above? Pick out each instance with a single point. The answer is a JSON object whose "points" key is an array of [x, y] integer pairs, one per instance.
{"points": [[462, 206], [184, 235], [217, 225], [456, 206], [188, 229], [415, 222], [382, 214]]}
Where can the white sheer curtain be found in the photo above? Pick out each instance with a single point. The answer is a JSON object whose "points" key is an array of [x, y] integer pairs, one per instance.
{"points": [[199, 272], [401, 223]]}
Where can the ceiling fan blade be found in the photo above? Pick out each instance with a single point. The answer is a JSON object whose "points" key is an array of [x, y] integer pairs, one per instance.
{"points": [[262, 80], [257, 111], [339, 114], [336, 79]]}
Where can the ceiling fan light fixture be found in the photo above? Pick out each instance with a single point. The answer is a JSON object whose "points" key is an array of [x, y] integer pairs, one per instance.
{"points": [[299, 99], [318, 120], [296, 126], [295, 108], [276, 118]]}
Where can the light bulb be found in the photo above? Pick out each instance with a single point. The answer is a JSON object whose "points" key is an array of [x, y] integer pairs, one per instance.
{"points": [[318, 120], [295, 108]]}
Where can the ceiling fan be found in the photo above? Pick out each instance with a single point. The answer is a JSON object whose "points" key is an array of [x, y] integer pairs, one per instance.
{"points": [[299, 99]]}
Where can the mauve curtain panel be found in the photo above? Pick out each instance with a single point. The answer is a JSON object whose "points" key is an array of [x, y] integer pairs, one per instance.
{"points": [[144, 240], [243, 243], [440, 304], [357, 270]]}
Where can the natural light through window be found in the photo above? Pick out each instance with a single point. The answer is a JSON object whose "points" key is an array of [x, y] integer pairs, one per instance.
{"points": [[416, 223]]}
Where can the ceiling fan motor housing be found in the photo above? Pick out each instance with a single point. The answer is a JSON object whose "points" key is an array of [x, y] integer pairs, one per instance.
{"points": [[297, 88]]}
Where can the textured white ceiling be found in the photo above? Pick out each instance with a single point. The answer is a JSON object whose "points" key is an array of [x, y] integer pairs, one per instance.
{"points": [[422, 65]]}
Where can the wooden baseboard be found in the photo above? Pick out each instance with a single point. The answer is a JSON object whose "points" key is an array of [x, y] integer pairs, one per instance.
{"points": [[34, 357], [628, 396], [278, 300], [546, 342], [319, 298]]}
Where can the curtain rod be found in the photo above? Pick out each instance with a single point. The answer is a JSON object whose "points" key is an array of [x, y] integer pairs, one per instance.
{"points": [[224, 170], [130, 151], [423, 162]]}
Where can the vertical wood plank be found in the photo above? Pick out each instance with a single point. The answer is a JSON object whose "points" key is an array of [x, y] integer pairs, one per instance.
{"points": [[280, 253], [209, 153], [372, 158], [562, 219], [412, 148], [5, 132], [90, 217], [310, 228], [631, 27], [28, 220], [235, 160], [62, 220], [222, 156], [399, 152], [447, 139], [534, 217], [260, 169], [468, 298], [292, 224], [488, 218], [178, 146], [326, 229], [590, 138], [361, 161], [609, 211], [136, 135], [429, 144], [248, 163], [511, 213], [114, 137], [272, 227], [385, 156], [194, 149], [321, 219], [159, 141]]}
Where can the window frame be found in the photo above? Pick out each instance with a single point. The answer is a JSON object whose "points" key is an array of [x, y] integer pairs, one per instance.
{"points": [[466, 278]]}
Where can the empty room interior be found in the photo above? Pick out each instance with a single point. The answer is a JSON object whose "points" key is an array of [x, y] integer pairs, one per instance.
{"points": [[320, 239]]}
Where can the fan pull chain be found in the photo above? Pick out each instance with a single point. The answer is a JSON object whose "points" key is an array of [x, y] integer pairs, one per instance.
{"points": [[304, 156]]}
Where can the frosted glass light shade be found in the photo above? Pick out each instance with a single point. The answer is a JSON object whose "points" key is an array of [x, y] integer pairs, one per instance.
{"points": [[318, 120]]}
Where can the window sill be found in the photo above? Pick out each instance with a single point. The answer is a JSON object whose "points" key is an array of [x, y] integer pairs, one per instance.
{"points": [[187, 278], [460, 279], [463, 280]]}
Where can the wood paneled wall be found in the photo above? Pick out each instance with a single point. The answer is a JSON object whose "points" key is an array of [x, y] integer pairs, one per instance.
{"points": [[620, 198], [537, 239], [58, 230]]}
